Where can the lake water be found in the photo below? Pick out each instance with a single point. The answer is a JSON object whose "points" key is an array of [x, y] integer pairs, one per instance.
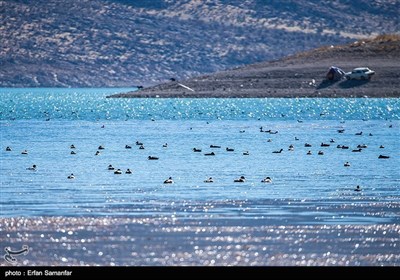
{"points": [[312, 189]]}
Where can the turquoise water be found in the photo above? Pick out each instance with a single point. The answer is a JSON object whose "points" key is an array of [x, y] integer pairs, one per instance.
{"points": [[304, 189]]}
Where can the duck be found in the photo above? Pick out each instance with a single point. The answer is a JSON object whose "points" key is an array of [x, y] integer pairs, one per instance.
{"points": [[165, 145], [357, 150], [141, 147], [209, 180], [269, 140], [72, 146], [230, 149], [128, 147], [340, 131], [321, 153], [196, 150], [332, 140], [33, 167], [345, 147], [210, 154], [128, 171], [266, 180], [152, 158], [169, 181], [381, 147], [277, 152], [363, 146], [309, 153], [296, 139], [246, 153], [100, 147], [307, 145], [118, 171], [73, 153], [242, 179], [215, 146], [324, 145], [357, 189], [97, 153], [71, 176], [139, 143], [347, 164], [110, 167], [382, 156], [8, 149], [24, 152], [359, 133]]}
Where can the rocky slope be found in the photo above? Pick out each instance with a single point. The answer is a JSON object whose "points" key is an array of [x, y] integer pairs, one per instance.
{"points": [[300, 75], [95, 43]]}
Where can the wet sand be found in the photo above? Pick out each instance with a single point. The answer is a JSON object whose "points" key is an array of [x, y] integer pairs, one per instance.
{"points": [[118, 241]]}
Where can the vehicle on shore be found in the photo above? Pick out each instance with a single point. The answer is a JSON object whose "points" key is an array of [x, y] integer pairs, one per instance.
{"points": [[360, 73]]}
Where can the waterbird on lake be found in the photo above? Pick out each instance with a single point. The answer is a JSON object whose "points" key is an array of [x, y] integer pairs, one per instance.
{"points": [[363, 146], [128, 171], [152, 158], [128, 147], [340, 131], [266, 180], [71, 176], [345, 147], [242, 179], [246, 153], [169, 181], [307, 145], [72, 146], [359, 133], [8, 149], [381, 147], [101, 147], [382, 156], [196, 150], [309, 153], [210, 154], [346, 164], [118, 171], [97, 153], [209, 180], [73, 153], [356, 150], [24, 152], [33, 167], [321, 153], [277, 152], [230, 149], [215, 146], [141, 147], [165, 145], [110, 167], [297, 139], [139, 143], [357, 189]]}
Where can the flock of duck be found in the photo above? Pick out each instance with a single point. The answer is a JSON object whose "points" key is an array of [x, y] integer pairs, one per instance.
{"points": [[240, 179]]}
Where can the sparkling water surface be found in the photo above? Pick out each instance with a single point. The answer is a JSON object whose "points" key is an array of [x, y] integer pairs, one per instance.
{"points": [[304, 189]]}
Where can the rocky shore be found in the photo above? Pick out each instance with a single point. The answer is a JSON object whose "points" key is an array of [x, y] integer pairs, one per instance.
{"points": [[300, 75]]}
